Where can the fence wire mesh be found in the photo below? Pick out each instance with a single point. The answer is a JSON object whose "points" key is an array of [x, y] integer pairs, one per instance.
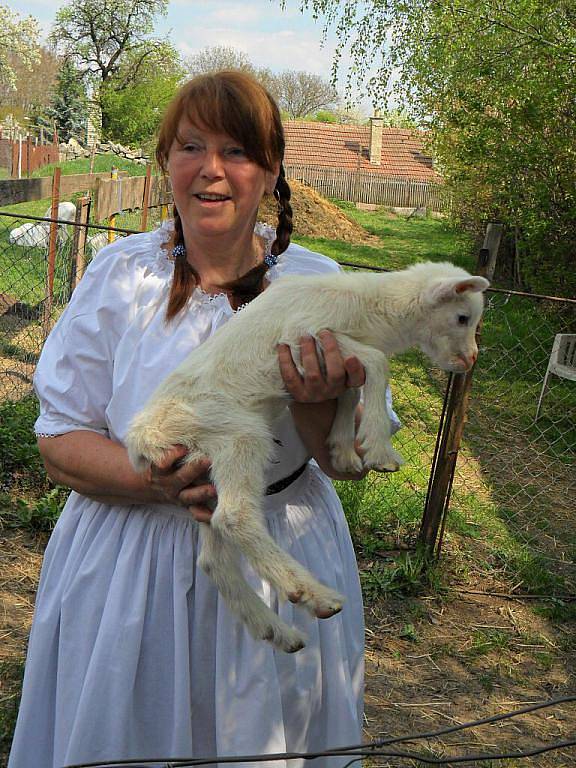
{"points": [[515, 479], [26, 314]]}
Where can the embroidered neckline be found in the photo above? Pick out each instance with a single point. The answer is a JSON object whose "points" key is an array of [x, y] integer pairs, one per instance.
{"points": [[266, 232]]}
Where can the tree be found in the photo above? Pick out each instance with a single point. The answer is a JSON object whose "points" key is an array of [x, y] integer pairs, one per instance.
{"points": [[494, 82], [68, 105], [133, 112], [33, 84], [101, 36], [18, 38], [216, 57], [298, 94], [303, 93]]}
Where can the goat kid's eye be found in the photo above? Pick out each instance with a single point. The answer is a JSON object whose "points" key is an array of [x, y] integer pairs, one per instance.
{"points": [[463, 319]]}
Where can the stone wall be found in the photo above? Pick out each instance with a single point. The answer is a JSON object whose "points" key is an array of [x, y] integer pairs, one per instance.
{"points": [[73, 149]]}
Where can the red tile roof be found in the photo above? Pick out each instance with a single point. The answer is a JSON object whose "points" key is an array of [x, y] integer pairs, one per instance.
{"points": [[348, 146]]}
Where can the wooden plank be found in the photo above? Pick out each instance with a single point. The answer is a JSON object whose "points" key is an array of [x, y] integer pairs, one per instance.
{"points": [[78, 255], [160, 191], [22, 190], [83, 182], [117, 195], [14, 191]]}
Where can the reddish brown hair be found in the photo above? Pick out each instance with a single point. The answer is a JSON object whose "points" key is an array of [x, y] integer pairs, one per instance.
{"points": [[234, 103]]}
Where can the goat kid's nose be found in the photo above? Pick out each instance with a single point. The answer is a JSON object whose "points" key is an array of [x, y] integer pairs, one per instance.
{"points": [[469, 360]]}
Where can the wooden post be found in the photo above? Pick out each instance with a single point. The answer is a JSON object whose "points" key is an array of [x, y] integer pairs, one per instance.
{"points": [[52, 245], [146, 198], [78, 255], [92, 158], [28, 155], [452, 426], [491, 244], [112, 219]]}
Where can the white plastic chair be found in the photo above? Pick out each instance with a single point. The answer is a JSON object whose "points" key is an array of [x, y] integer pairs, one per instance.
{"points": [[562, 362]]}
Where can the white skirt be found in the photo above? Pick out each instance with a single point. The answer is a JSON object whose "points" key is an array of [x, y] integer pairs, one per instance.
{"points": [[133, 655]]}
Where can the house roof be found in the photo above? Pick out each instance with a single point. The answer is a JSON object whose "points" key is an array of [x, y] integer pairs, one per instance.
{"points": [[348, 146]]}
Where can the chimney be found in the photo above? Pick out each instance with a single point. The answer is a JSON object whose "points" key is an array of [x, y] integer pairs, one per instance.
{"points": [[376, 125]]}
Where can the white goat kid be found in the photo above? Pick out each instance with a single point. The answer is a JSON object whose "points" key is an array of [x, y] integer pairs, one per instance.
{"points": [[222, 401]]}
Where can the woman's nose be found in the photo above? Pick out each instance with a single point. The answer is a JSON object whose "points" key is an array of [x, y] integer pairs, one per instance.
{"points": [[212, 165]]}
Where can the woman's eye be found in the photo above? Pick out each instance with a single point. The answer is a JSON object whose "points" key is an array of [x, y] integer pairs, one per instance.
{"points": [[236, 152], [190, 147], [463, 319]]}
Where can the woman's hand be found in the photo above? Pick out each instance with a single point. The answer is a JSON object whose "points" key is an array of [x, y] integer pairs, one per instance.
{"points": [[185, 484], [315, 394], [99, 468], [315, 386]]}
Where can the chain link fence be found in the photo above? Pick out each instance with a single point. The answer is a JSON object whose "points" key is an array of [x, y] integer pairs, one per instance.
{"points": [[513, 493], [29, 306], [515, 481]]}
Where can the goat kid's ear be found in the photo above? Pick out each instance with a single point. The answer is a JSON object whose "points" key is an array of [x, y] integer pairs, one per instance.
{"points": [[450, 288]]}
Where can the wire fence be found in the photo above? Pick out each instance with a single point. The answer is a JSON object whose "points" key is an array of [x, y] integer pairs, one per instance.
{"points": [[517, 469], [515, 482], [434, 750]]}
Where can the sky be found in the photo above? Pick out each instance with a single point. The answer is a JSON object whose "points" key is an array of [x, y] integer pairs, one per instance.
{"points": [[270, 37]]}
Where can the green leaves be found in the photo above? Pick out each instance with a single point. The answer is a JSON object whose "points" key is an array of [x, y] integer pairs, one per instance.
{"points": [[495, 85], [17, 36]]}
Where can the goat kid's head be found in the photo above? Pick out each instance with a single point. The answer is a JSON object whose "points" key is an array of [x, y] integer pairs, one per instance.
{"points": [[453, 308]]}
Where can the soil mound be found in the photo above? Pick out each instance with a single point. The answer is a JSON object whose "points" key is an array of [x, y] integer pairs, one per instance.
{"points": [[314, 216]]}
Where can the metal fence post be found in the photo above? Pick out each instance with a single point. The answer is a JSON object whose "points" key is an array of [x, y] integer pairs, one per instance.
{"points": [[112, 218], [452, 424], [52, 244], [146, 198]]}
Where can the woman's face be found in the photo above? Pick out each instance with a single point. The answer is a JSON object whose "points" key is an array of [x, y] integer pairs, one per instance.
{"points": [[217, 189]]}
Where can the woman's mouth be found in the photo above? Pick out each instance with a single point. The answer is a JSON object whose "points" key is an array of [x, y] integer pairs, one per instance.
{"points": [[211, 198]]}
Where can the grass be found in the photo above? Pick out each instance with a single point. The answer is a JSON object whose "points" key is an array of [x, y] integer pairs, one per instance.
{"points": [[404, 241], [25, 277], [102, 164], [385, 510], [484, 534], [27, 498]]}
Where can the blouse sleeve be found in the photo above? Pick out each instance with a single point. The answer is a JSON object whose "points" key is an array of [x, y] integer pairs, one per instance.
{"points": [[73, 378]]}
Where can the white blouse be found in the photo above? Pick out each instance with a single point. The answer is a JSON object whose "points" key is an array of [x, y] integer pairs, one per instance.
{"points": [[132, 653]]}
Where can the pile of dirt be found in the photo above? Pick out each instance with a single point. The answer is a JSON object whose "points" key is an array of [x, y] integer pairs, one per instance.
{"points": [[314, 216]]}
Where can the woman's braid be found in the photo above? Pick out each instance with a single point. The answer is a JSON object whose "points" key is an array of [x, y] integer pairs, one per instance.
{"points": [[285, 225], [185, 277]]}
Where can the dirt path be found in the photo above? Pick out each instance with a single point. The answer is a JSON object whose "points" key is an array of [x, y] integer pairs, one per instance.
{"points": [[431, 662]]}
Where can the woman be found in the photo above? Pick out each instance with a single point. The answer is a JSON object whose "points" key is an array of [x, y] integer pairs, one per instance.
{"points": [[132, 652]]}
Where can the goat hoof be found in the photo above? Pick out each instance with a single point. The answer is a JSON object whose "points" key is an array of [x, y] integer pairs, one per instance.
{"points": [[326, 613], [294, 646]]}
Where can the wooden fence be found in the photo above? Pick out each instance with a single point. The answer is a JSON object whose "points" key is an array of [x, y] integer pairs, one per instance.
{"points": [[368, 187], [110, 196], [23, 155]]}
